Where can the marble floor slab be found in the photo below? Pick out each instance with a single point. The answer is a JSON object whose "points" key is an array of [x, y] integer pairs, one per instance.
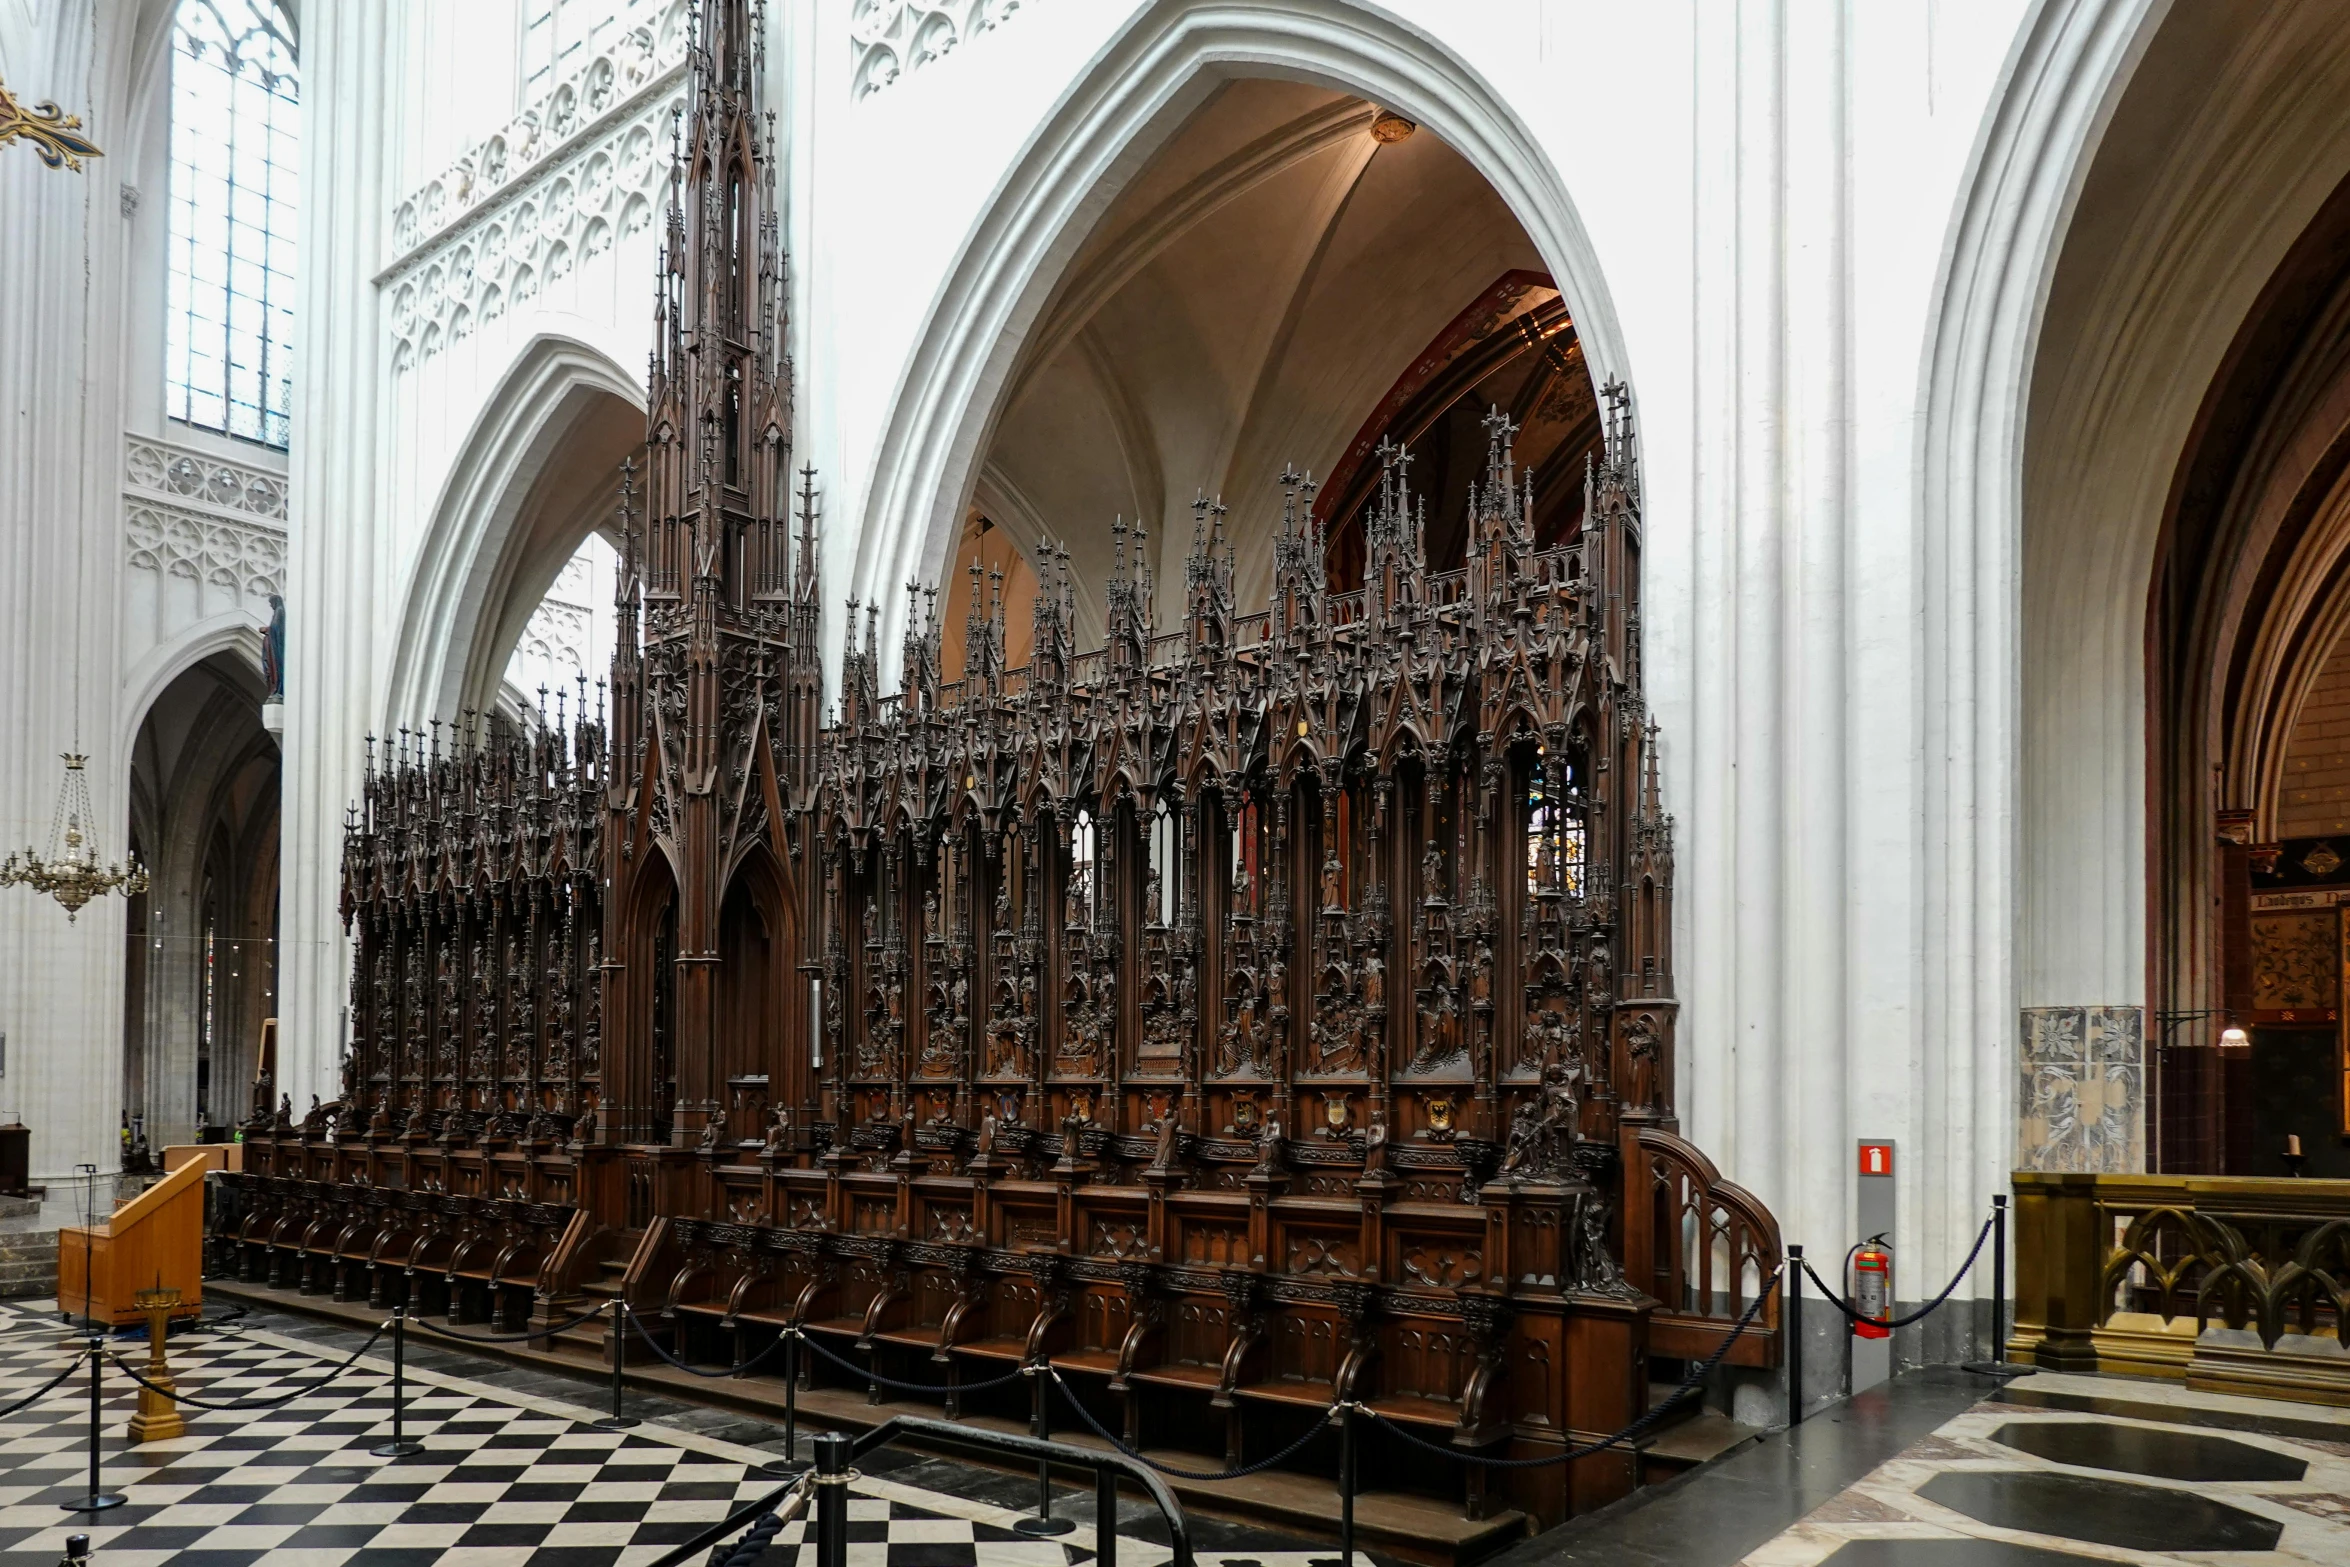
{"points": [[2054, 1471]]}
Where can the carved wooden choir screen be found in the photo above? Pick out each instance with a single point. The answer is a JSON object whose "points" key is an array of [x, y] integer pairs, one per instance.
{"points": [[1387, 859], [1273, 1008]]}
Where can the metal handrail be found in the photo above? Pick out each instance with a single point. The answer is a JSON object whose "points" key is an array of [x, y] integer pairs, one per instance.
{"points": [[1105, 1524]]}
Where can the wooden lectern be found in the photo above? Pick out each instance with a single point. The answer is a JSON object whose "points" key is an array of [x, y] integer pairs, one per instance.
{"points": [[154, 1240]]}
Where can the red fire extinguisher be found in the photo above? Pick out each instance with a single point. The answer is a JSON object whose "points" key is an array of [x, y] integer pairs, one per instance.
{"points": [[1869, 1286]]}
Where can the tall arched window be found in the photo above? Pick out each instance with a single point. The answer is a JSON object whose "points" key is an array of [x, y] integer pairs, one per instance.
{"points": [[234, 156]]}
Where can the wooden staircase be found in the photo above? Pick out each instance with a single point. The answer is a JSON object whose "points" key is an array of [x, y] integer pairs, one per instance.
{"points": [[590, 1342]]}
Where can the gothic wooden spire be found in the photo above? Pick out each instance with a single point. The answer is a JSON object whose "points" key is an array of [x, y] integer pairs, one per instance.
{"points": [[718, 426]]}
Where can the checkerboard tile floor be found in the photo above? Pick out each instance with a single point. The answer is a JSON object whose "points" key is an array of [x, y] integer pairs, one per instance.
{"points": [[505, 1480]]}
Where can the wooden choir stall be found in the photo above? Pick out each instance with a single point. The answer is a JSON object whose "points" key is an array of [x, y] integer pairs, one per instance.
{"points": [[1262, 1009]]}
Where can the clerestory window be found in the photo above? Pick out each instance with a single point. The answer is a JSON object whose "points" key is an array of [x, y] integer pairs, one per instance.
{"points": [[235, 109]]}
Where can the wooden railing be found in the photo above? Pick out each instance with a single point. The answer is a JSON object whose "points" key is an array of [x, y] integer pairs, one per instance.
{"points": [[1702, 1245], [2229, 1283]]}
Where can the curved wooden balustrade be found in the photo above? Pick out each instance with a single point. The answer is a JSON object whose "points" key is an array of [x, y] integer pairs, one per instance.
{"points": [[1702, 1246]]}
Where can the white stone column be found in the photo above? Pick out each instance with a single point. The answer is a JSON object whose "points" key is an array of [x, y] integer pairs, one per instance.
{"points": [[337, 567], [61, 1001], [1847, 971]]}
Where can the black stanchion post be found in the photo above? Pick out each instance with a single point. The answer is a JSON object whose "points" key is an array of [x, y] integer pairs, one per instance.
{"points": [[1105, 1517], [832, 1499], [97, 1501], [791, 1396], [789, 1464], [399, 1446], [1999, 1276], [1041, 1424], [616, 1421], [1794, 1337], [1346, 1484], [1999, 1365]]}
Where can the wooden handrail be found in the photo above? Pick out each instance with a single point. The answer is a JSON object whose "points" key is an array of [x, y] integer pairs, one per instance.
{"points": [[1677, 1208], [153, 1200], [2127, 1273]]}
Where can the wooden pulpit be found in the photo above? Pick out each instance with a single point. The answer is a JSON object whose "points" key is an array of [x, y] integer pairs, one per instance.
{"points": [[157, 1238]]}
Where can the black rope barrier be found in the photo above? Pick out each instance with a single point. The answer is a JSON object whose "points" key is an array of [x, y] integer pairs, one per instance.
{"points": [[751, 1546], [178, 1397], [46, 1388], [551, 1329], [1240, 1473], [782, 1505], [939, 1390], [736, 1370], [758, 1537], [1697, 1373], [1923, 1312]]}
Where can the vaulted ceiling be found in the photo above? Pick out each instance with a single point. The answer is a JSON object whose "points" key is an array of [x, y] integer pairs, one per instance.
{"points": [[1247, 301]]}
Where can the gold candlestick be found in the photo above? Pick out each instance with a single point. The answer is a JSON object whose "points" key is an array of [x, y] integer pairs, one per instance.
{"points": [[159, 1418]]}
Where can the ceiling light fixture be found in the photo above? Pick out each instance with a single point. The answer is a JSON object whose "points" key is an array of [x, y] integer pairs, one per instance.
{"points": [[72, 872], [75, 870]]}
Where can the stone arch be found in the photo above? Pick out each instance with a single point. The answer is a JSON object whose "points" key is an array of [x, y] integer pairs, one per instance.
{"points": [[487, 549], [203, 805], [1133, 97], [2048, 112], [2085, 304], [232, 632]]}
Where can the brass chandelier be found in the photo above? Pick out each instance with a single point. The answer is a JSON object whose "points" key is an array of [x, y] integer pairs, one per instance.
{"points": [[72, 872]]}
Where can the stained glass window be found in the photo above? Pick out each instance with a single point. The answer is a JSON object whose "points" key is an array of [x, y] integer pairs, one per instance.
{"points": [[1554, 833], [1081, 887], [235, 108]]}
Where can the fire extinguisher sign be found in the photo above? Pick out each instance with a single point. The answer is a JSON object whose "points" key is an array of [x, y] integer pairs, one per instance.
{"points": [[1876, 1158]]}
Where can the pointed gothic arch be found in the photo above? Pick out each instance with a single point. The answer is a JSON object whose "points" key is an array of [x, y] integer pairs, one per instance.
{"points": [[485, 559], [1136, 95]]}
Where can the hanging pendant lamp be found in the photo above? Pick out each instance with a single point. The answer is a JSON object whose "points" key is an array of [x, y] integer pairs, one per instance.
{"points": [[75, 869]]}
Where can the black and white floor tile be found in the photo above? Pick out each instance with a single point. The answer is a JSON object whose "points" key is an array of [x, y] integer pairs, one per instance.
{"points": [[505, 1480]]}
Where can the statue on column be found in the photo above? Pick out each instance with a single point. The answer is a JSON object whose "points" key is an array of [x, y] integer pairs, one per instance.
{"points": [[273, 651]]}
